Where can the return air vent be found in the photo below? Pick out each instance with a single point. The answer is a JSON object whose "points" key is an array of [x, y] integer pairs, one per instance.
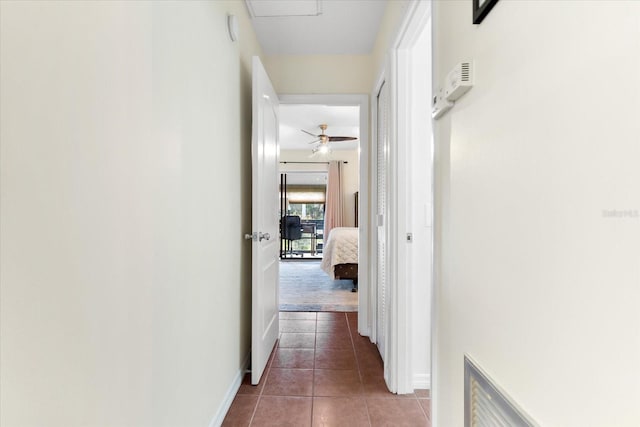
{"points": [[485, 405]]}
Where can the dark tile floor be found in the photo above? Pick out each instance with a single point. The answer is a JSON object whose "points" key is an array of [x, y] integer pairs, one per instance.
{"points": [[322, 373]]}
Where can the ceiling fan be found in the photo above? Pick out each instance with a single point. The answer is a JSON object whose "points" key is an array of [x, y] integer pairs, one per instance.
{"points": [[323, 139]]}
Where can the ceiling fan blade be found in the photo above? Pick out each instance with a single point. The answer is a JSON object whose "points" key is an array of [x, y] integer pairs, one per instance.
{"points": [[342, 138], [309, 133], [313, 142]]}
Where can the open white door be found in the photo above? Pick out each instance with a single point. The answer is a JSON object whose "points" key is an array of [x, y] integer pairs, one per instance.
{"points": [[265, 217]]}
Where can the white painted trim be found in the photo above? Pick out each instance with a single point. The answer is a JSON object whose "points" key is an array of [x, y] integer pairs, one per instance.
{"points": [[363, 222], [422, 381], [364, 282], [400, 324], [398, 364], [397, 281], [373, 213], [218, 418]]}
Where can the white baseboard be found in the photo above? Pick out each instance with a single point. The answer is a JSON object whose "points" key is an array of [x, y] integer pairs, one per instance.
{"points": [[230, 395], [422, 381], [365, 332]]}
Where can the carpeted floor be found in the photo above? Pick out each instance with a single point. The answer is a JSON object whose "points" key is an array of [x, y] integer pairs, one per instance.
{"points": [[305, 287]]}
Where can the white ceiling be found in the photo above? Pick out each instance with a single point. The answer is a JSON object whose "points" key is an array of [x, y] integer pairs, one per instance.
{"points": [[340, 121], [305, 27], [314, 27]]}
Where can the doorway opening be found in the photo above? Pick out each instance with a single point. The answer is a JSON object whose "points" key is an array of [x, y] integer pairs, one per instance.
{"points": [[319, 198]]}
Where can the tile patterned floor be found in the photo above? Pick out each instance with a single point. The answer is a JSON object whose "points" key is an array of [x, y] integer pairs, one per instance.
{"points": [[322, 373]]}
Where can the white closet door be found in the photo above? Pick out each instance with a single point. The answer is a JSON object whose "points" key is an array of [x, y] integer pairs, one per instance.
{"points": [[382, 144]]}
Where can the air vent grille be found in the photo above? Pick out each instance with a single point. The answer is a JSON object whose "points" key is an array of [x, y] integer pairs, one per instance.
{"points": [[486, 405], [465, 74]]}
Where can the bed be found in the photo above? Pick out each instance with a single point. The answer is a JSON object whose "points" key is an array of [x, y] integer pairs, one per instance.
{"points": [[340, 255]]}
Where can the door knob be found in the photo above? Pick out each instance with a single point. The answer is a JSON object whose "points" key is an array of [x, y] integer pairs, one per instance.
{"points": [[252, 236], [265, 236]]}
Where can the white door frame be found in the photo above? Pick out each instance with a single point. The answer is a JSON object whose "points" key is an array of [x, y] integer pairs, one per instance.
{"points": [[397, 73], [364, 283], [380, 230]]}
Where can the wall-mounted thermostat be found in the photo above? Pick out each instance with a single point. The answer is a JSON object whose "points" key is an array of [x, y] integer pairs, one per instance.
{"points": [[459, 81], [439, 104]]}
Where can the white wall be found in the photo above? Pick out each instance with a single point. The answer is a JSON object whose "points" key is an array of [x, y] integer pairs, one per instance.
{"points": [[125, 292], [350, 176], [392, 20], [327, 74], [534, 281]]}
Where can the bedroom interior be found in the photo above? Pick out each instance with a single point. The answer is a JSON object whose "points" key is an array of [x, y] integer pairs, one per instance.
{"points": [[318, 192]]}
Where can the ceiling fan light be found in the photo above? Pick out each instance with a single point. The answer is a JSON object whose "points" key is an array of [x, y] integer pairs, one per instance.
{"points": [[323, 149]]}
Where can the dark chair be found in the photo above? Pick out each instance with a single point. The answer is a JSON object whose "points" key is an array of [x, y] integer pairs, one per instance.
{"points": [[291, 229]]}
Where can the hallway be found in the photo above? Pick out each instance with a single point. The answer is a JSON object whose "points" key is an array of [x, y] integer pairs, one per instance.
{"points": [[323, 373]]}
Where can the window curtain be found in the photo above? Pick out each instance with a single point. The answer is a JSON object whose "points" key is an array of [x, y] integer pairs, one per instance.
{"points": [[333, 207]]}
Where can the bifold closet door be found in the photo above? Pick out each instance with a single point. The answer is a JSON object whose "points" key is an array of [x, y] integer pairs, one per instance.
{"points": [[382, 154]]}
